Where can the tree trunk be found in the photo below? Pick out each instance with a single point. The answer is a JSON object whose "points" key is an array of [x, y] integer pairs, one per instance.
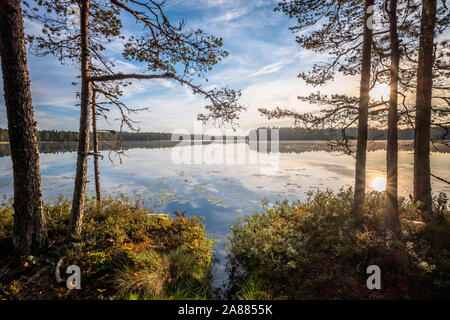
{"points": [[83, 145], [95, 142], [422, 183], [392, 132], [30, 233], [361, 147]]}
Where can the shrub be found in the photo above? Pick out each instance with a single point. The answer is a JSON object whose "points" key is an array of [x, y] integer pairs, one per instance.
{"points": [[311, 250], [124, 252]]}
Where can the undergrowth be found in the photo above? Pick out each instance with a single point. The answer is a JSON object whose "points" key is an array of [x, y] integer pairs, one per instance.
{"points": [[312, 250], [124, 252]]}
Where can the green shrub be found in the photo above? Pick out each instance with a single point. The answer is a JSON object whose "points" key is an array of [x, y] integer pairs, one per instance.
{"points": [[311, 250]]}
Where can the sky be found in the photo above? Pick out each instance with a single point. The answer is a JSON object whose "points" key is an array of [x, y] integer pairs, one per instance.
{"points": [[264, 61]]}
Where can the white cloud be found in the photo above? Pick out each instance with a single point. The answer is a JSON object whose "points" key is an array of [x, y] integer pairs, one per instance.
{"points": [[274, 67], [231, 15], [123, 66]]}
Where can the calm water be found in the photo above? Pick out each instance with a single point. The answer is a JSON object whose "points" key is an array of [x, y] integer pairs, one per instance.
{"points": [[220, 193]]}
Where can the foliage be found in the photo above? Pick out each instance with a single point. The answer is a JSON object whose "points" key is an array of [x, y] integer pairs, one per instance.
{"points": [[124, 252], [311, 250]]}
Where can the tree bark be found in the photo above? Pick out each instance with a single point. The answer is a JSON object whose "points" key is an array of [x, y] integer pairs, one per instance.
{"points": [[95, 142], [83, 145], [422, 180], [30, 233], [392, 131], [363, 115]]}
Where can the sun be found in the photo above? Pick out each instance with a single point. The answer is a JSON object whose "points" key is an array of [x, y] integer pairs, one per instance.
{"points": [[380, 91], [379, 184]]}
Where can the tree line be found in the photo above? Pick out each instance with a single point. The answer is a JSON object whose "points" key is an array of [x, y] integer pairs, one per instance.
{"points": [[107, 136], [66, 136], [285, 134], [293, 134]]}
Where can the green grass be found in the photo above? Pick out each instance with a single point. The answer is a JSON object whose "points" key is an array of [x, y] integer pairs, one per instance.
{"points": [[124, 252]]}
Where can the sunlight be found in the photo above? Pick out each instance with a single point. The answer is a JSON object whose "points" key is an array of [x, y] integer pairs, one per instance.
{"points": [[380, 91], [379, 184]]}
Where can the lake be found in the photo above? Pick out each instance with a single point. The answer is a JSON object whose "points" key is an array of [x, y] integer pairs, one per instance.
{"points": [[219, 192]]}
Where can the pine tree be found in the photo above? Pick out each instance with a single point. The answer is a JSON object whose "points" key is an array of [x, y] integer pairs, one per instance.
{"points": [[30, 233], [422, 170]]}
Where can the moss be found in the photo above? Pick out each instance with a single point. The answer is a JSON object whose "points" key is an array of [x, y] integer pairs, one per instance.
{"points": [[311, 250], [124, 252]]}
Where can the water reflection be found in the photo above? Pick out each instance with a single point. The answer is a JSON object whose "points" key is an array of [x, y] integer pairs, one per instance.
{"points": [[284, 146], [219, 192]]}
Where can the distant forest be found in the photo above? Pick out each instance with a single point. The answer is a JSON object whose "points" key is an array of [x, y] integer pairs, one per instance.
{"points": [[70, 136], [286, 134], [67, 136], [290, 134]]}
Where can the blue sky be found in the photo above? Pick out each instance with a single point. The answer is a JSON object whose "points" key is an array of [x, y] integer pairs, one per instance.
{"points": [[263, 62]]}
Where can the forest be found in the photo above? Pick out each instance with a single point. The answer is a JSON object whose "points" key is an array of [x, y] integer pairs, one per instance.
{"points": [[64, 136], [339, 222], [285, 134]]}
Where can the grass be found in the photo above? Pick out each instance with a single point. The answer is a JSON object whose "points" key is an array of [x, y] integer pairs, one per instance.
{"points": [[124, 252], [311, 250]]}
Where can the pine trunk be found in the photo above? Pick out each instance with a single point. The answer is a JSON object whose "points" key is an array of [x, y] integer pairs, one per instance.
{"points": [[363, 115], [392, 132], [95, 142], [83, 144], [422, 183], [30, 234]]}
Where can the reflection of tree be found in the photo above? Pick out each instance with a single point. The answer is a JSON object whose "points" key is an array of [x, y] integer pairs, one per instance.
{"points": [[311, 146], [57, 147]]}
